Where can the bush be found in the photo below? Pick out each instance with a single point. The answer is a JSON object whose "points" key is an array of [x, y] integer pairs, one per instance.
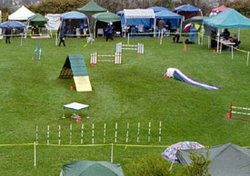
{"points": [[150, 166]]}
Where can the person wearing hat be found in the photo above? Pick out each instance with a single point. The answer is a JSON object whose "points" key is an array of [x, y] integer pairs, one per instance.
{"points": [[109, 32]]}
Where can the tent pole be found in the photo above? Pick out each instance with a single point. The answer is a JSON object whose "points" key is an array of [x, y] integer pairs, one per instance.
{"points": [[239, 34], [218, 40], [248, 57]]}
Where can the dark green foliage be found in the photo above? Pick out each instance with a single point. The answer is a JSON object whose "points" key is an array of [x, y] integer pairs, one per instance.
{"points": [[153, 165], [198, 167]]}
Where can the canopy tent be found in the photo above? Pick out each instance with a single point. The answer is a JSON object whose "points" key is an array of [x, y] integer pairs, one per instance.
{"points": [[12, 24], [139, 17], [38, 20], [21, 14], [229, 18], [228, 159], [188, 11], [76, 23], [157, 8], [92, 7], [217, 10], [93, 168], [172, 17], [100, 20], [76, 107]]}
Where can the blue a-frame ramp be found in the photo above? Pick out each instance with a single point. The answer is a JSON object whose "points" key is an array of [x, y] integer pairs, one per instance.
{"points": [[75, 67]]}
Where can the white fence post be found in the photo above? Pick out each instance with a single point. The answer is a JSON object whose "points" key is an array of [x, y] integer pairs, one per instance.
{"points": [[48, 135], [82, 139], [127, 132], [138, 132], [93, 133]]}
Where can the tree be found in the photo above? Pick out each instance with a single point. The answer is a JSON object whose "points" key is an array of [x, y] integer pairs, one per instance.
{"points": [[198, 167]]}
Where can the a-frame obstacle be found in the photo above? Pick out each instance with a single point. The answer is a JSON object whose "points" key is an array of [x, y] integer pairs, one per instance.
{"points": [[75, 67]]}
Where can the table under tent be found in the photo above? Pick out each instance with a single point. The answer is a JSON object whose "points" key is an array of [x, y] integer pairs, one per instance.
{"points": [[138, 22], [76, 24], [76, 107]]}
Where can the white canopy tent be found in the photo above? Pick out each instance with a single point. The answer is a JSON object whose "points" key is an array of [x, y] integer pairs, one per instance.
{"points": [[21, 14], [137, 16], [76, 107]]}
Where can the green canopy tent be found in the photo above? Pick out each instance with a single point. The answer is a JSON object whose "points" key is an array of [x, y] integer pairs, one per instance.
{"points": [[91, 168], [91, 8], [228, 159], [228, 18], [100, 21], [38, 22]]}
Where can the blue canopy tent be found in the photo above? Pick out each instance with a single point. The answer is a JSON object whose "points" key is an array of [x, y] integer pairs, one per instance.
{"points": [[188, 11], [157, 8], [12, 24], [141, 19], [76, 23], [174, 19]]}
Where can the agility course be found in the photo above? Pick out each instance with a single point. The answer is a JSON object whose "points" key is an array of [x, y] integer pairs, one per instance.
{"points": [[178, 75], [75, 67], [139, 48], [116, 58], [242, 111]]}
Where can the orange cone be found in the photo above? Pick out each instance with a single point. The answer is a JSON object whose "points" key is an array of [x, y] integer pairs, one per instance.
{"points": [[214, 52], [72, 88], [184, 49]]}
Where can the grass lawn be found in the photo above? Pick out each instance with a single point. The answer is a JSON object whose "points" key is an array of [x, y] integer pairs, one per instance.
{"points": [[134, 92]]}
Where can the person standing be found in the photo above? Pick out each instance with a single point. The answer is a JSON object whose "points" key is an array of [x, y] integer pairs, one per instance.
{"points": [[61, 36], [192, 35], [109, 32], [7, 35]]}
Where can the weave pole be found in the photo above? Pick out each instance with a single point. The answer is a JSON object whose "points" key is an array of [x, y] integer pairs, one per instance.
{"points": [[82, 130], [70, 134], [116, 127], [93, 134], [104, 132], [127, 132], [160, 132], [59, 134], [138, 132], [48, 135], [34, 154], [149, 131], [248, 54], [36, 134]]}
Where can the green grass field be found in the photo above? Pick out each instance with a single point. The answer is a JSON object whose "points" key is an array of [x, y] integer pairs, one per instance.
{"points": [[134, 92]]}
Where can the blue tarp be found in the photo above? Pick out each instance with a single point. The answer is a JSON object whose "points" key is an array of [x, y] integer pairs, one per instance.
{"points": [[157, 8], [172, 17], [229, 18], [12, 24], [73, 15], [186, 8]]}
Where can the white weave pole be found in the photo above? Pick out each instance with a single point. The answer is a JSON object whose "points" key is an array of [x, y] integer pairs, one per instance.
{"points": [[127, 132], [149, 131], [104, 132], [34, 154], [112, 153], [82, 133], [48, 135], [36, 134], [138, 132], [59, 134], [70, 134], [93, 133], [116, 127], [160, 132]]}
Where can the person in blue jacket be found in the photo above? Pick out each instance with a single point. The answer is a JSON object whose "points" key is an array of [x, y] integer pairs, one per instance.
{"points": [[192, 34], [109, 32]]}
